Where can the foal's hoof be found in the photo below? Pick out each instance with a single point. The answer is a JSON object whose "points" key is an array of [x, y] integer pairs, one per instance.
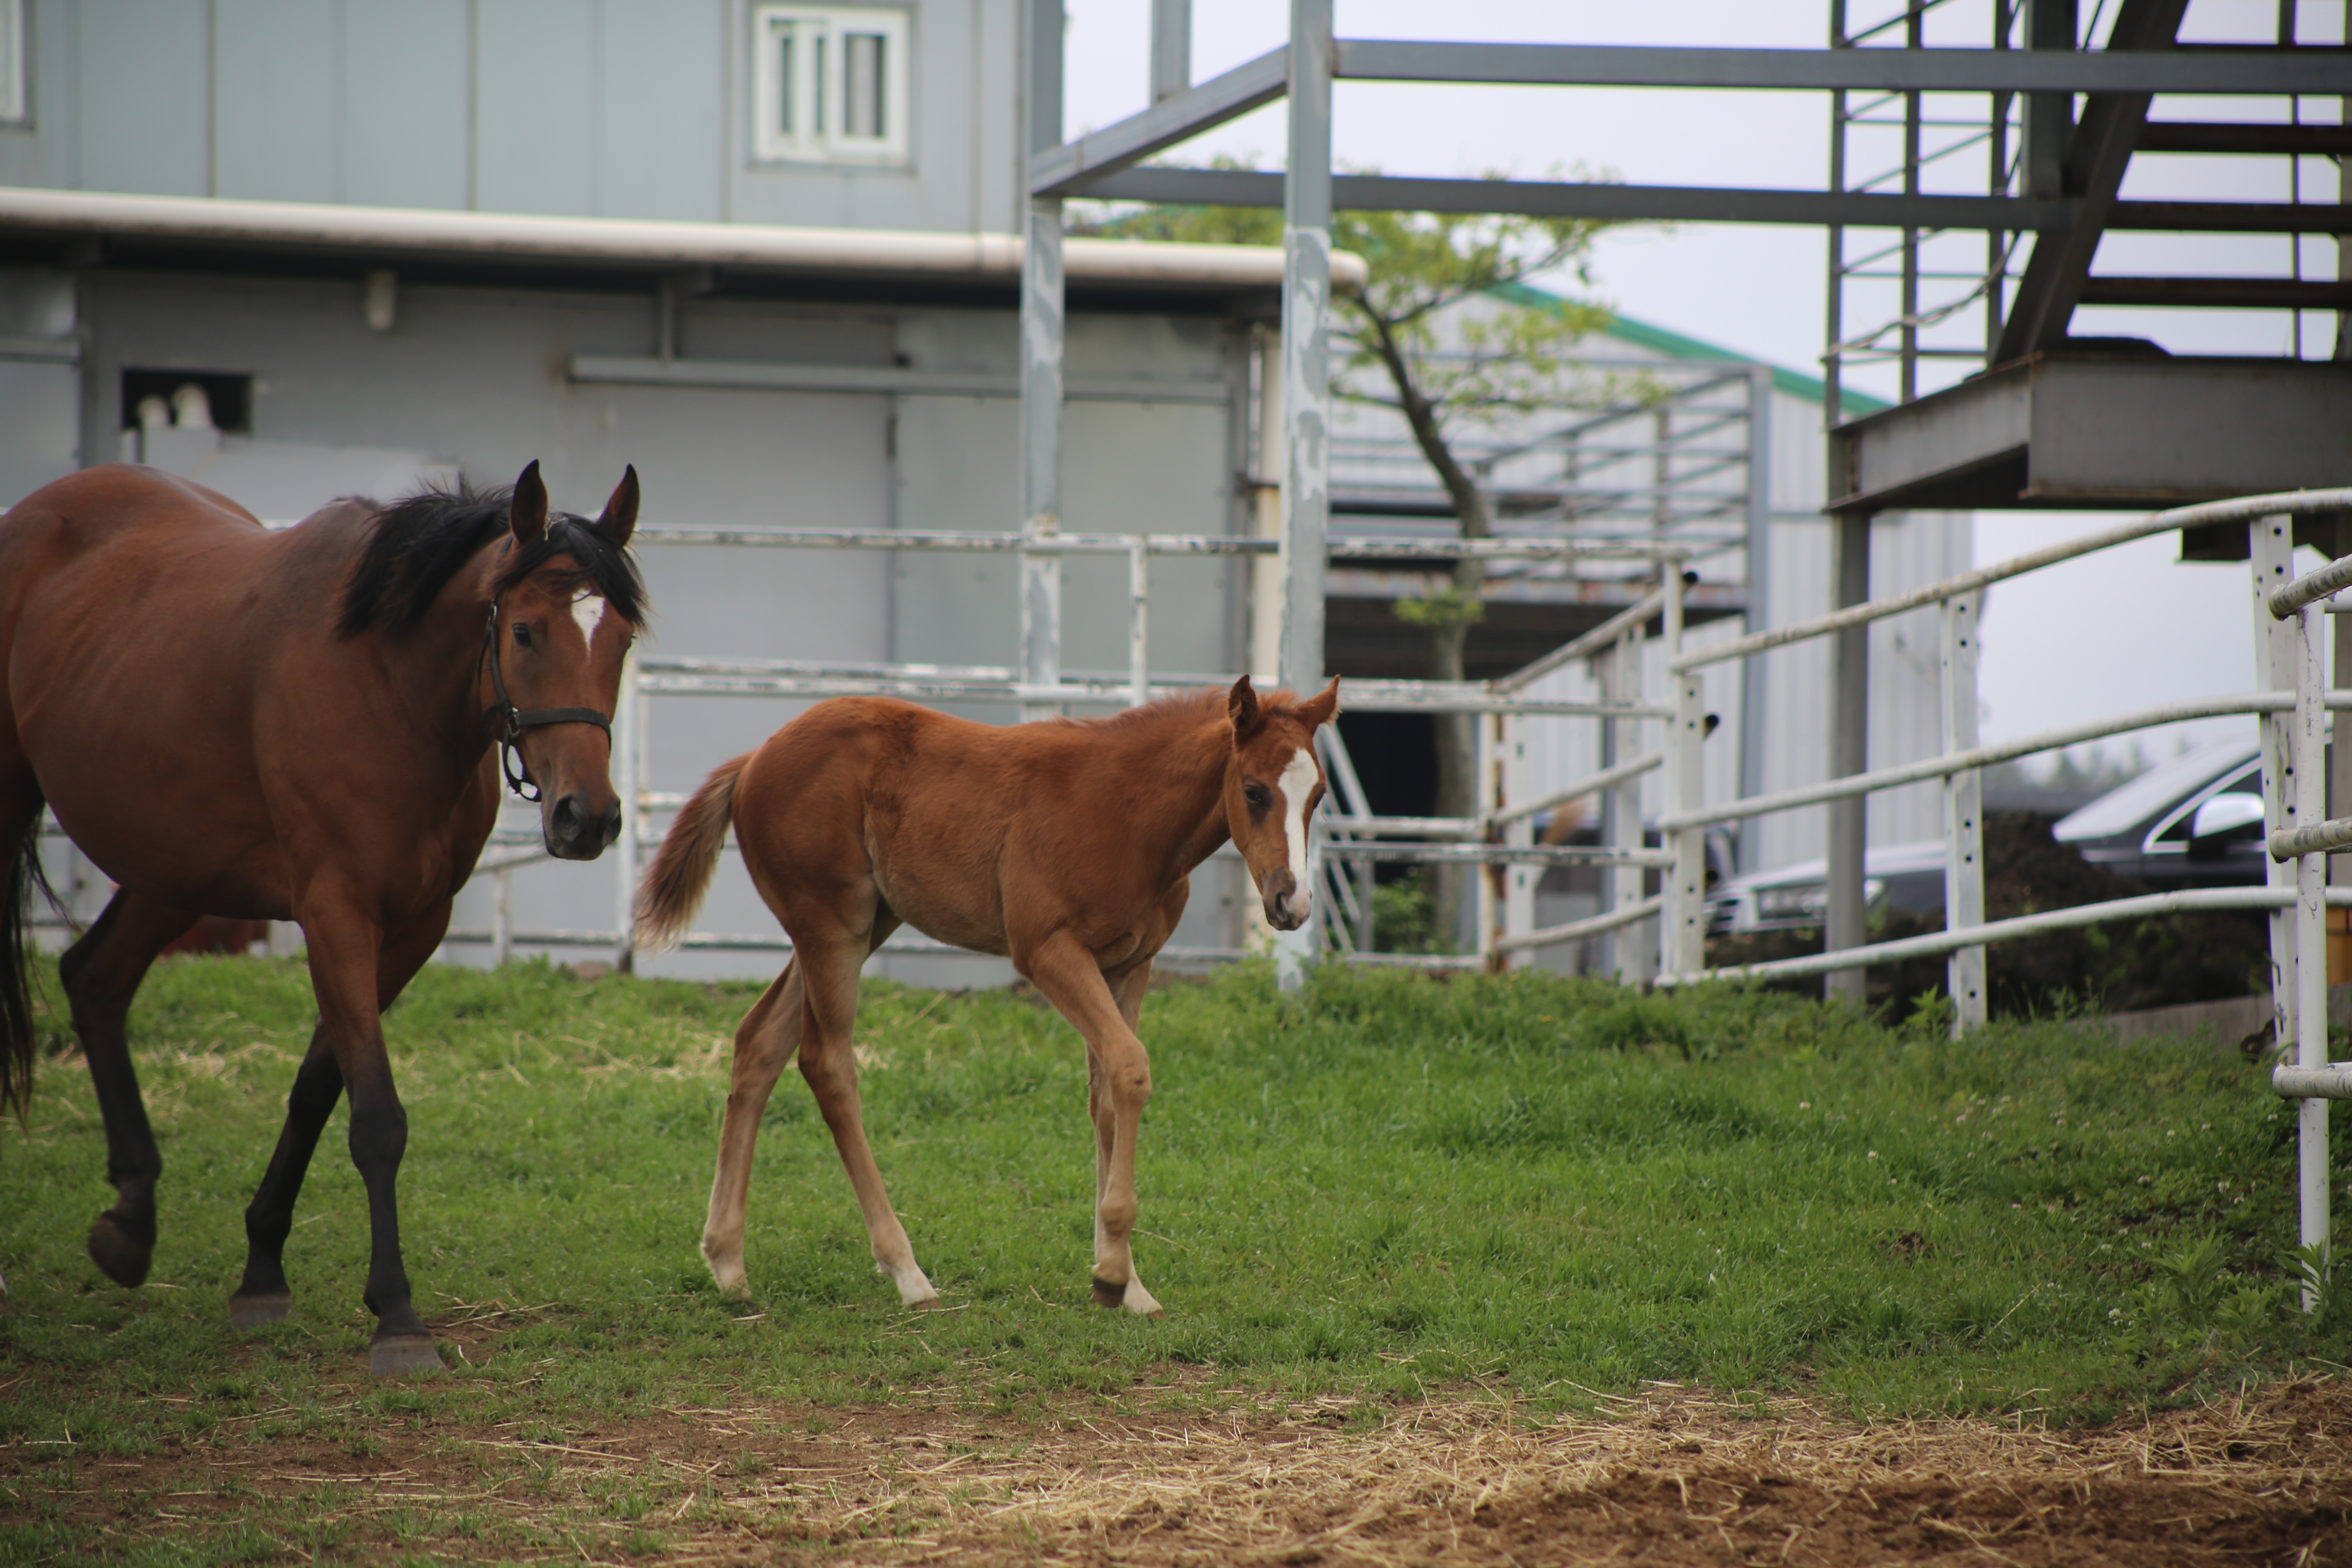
{"points": [[404, 1355], [246, 1313], [1115, 1296], [120, 1258]]}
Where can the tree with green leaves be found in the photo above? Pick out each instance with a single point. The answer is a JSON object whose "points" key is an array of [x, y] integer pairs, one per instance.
{"points": [[1407, 342]]}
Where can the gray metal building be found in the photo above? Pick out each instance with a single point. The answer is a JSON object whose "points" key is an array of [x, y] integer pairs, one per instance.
{"points": [[760, 251]]}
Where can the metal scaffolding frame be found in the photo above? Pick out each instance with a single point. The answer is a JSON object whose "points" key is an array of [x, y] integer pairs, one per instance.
{"points": [[2065, 194]]}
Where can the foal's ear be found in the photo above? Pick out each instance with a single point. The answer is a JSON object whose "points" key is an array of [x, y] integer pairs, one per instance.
{"points": [[1247, 713], [528, 515], [1321, 707], [620, 517]]}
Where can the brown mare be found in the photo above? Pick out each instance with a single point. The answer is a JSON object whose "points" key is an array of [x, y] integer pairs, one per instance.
{"points": [[296, 725], [1064, 846]]}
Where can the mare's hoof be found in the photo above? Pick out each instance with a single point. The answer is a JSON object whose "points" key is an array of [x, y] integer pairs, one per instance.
{"points": [[117, 1255], [246, 1313], [404, 1355]]}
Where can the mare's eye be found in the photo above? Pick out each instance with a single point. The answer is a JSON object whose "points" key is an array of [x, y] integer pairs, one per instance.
{"points": [[522, 634], [1255, 794]]}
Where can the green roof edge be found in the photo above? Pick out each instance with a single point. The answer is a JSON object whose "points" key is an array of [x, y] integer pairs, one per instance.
{"points": [[1676, 346]]}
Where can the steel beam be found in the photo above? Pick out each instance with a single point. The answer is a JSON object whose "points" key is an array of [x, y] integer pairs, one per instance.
{"points": [[2114, 69], [2058, 430], [1847, 923], [1306, 388], [1171, 48], [1549, 198], [1061, 170], [1042, 323]]}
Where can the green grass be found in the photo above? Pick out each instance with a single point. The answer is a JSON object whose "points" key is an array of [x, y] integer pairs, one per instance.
{"points": [[1388, 1186]]}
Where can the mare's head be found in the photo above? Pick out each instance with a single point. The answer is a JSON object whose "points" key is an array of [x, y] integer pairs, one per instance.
{"points": [[1273, 782], [565, 605], [550, 603]]}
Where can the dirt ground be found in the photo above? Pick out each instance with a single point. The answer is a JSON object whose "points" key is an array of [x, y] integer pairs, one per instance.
{"points": [[1673, 1476]]}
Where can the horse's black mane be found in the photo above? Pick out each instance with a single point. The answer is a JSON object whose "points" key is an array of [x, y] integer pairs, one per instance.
{"points": [[420, 543]]}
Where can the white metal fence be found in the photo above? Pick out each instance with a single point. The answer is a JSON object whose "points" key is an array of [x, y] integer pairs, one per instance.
{"points": [[1500, 835]]}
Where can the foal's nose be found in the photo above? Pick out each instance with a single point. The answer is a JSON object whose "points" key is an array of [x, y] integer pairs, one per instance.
{"points": [[576, 833], [1287, 904]]}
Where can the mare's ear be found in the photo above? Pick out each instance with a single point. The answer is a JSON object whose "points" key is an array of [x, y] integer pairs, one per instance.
{"points": [[1321, 707], [528, 515], [620, 517], [1242, 705]]}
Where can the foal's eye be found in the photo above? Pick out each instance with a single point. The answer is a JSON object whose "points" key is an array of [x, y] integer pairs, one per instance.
{"points": [[522, 634]]}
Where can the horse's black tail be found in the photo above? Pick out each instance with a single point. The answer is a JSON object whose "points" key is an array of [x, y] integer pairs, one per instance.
{"points": [[18, 1043]]}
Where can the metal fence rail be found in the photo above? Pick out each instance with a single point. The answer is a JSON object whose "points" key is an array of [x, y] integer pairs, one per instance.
{"points": [[1498, 839]]}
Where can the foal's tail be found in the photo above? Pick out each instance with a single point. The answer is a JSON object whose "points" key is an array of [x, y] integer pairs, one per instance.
{"points": [[680, 875], [17, 1041]]}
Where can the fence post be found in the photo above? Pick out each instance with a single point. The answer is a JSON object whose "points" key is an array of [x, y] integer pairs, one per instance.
{"points": [[1681, 915], [1963, 813], [1519, 881], [2307, 747], [2272, 546], [1139, 619], [502, 914], [1637, 945], [1485, 796], [1753, 692], [628, 753]]}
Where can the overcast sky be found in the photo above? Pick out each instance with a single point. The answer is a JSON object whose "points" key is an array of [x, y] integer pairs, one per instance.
{"points": [[2064, 645]]}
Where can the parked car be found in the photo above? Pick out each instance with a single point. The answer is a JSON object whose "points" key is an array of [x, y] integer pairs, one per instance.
{"points": [[2193, 822], [1898, 879]]}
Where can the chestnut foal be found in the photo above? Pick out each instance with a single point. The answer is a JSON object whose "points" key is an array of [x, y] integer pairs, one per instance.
{"points": [[1064, 846]]}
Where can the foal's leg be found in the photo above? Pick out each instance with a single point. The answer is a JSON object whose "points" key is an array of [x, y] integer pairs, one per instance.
{"points": [[262, 1296], [1119, 1082], [829, 967], [346, 946], [101, 972], [1128, 991], [764, 1043]]}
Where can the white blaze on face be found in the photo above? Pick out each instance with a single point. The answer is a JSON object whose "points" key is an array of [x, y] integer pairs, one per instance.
{"points": [[589, 611], [1297, 786]]}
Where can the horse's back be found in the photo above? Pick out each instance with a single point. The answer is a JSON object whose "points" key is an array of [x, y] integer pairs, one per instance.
{"points": [[144, 622], [100, 507]]}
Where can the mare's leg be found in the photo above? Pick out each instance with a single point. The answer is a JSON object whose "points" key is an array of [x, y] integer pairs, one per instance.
{"points": [[765, 1042], [346, 956], [262, 1296], [829, 965], [1118, 1074], [101, 972]]}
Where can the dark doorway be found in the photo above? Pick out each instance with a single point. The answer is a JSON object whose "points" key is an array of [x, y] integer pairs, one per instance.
{"points": [[1396, 758]]}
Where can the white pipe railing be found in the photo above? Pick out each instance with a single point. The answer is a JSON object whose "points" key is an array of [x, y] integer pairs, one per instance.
{"points": [[1363, 840], [2292, 710]]}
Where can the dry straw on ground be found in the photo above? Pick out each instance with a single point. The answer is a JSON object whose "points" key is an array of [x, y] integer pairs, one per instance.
{"points": [[1672, 1476]]}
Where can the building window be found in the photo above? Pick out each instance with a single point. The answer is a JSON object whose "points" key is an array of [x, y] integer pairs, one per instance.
{"points": [[11, 60], [830, 86]]}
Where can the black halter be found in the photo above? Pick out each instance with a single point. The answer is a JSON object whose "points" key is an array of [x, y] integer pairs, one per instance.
{"points": [[513, 720]]}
